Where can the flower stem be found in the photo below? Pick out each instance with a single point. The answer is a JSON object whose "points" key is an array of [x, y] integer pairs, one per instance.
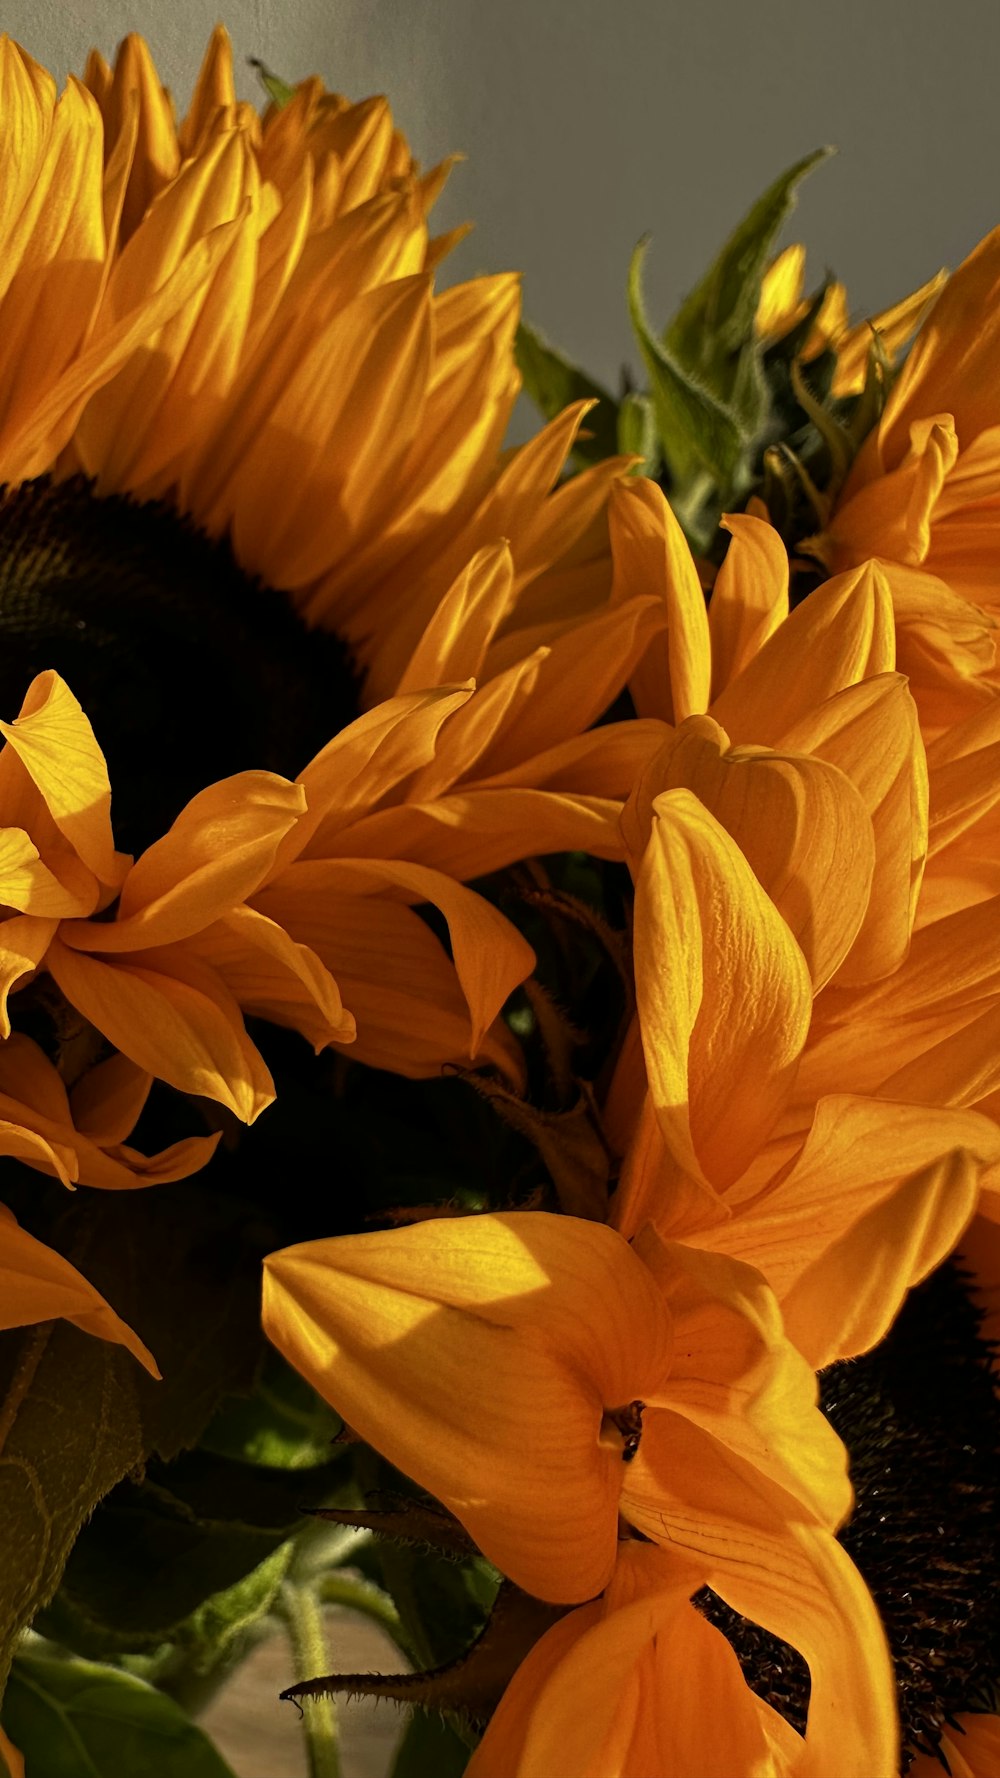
{"points": [[304, 1622]]}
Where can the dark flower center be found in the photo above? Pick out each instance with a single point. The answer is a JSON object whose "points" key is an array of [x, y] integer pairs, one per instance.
{"points": [[188, 668], [920, 1417]]}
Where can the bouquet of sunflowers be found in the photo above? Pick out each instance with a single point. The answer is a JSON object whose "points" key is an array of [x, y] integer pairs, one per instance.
{"points": [[499, 976]]}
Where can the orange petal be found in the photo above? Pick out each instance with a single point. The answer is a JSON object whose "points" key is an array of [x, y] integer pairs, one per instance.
{"points": [[55, 743], [217, 852], [398, 1331], [723, 991], [749, 599], [274, 978], [174, 1017], [37, 1284], [24, 942], [651, 556], [841, 634], [800, 824]]}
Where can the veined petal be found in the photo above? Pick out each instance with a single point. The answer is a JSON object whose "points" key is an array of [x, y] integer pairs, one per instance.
{"points": [[55, 743], [645, 1662], [478, 829], [217, 852], [723, 991], [841, 634], [739, 1378], [453, 646], [876, 1186], [652, 556], [272, 977], [749, 600], [399, 1331], [37, 1284], [800, 824], [394, 975], [174, 1017], [871, 732], [491, 957], [847, 1301]]}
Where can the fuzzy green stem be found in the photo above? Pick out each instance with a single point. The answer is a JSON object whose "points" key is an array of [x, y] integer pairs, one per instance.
{"points": [[368, 1599], [304, 1622]]}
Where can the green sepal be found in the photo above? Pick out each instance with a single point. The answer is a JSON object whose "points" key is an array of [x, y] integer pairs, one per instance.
{"points": [[76, 1719], [718, 317], [473, 1684], [699, 434], [278, 91], [637, 436], [553, 382]]}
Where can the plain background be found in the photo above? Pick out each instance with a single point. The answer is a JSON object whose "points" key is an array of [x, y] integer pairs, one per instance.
{"points": [[588, 123]]}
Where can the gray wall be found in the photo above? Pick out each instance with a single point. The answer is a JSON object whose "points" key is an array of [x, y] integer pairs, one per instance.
{"points": [[589, 122]]}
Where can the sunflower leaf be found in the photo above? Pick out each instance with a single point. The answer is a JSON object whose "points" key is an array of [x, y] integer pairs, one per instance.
{"points": [[637, 433], [553, 382], [277, 90], [194, 1528], [75, 1719], [699, 433], [78, 1414], [430, 1745]]}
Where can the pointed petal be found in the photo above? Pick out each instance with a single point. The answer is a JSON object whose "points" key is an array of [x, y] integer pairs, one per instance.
{"points": [[453, 646], [651, 556], [37, 1284], [272, 977], [841, 634], [800, 824], [749, 600]]}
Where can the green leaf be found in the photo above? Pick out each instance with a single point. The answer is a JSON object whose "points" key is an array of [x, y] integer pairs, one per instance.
{"points": [[75, 1719], [718, 316], [553, 382], [277, 90], [76, 1414], [193, 1528], [430, 1745], [699, 434], [283, 1424]]}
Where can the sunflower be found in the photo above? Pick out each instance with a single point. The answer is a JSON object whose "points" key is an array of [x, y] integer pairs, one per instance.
{"points": [[809, 1084], [258, 417]]}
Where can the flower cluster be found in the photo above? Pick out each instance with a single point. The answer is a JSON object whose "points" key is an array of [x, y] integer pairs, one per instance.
{"points": [[284, 619]]}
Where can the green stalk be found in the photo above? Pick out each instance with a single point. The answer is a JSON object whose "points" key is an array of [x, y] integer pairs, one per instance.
{"points": [[303, 1620]]}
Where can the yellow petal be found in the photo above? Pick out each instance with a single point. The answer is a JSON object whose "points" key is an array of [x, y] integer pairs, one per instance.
{"points": [[55, 743], [800, 824], [651, 556], [474, 830], [749, 599], [400, 1332], [841, 634], [723, 991], [37, 1284], [218, 851], [24, 941], [874, 1186], [491, 957], [847, 1301], [871, 732], [456, 639], [274, 978], [174, 1017]]}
